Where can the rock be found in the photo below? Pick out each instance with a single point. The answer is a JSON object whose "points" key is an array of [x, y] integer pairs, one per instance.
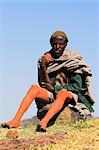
{"points": [[29, 122], [12, 134], [68, 114]]}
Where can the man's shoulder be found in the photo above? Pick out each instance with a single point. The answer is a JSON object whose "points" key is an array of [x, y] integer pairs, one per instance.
{"points": [[68, 53], [71, 51]]}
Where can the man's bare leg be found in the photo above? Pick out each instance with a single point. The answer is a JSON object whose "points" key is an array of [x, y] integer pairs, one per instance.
{"points": [[56, 106], [34, 92]]}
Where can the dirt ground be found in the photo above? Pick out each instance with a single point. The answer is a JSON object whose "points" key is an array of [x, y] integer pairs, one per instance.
{"points": [[24, 144]]}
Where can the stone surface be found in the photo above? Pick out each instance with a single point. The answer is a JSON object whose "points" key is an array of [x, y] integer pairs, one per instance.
{"points": [[12, 134], [68, 114], [29, 122]]}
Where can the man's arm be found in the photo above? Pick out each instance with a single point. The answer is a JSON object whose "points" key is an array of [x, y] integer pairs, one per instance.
{"points": [[43, 76], [75, 85]]}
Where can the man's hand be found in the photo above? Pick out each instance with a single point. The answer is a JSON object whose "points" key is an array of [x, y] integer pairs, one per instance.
{"points": [[45, 80], [46, 59]]}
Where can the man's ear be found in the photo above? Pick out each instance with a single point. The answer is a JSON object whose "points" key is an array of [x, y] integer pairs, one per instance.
{"points": [[65, 44]]}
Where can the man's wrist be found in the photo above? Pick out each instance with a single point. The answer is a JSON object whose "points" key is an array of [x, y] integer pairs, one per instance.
{"points": [[43, 66]]}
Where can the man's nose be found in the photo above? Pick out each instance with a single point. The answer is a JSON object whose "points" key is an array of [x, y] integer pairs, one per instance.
{"points": [[57, 45]]}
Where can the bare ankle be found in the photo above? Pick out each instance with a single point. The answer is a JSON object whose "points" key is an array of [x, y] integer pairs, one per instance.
{"points": [[13, 124], [43, 124]]}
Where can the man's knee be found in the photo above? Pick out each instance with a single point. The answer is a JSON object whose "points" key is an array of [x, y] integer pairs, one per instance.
{"points": [[62, 91], [65, 93], [34, 86]]}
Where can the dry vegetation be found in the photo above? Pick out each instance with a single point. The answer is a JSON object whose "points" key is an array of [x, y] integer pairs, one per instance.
{"points": [[78, 135]]}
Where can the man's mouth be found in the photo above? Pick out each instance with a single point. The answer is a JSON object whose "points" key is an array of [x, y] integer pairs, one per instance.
{"points": [[58, 50]]}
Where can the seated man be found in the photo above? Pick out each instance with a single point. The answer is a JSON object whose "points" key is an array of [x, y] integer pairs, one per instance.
{"points": [[63, 78]]}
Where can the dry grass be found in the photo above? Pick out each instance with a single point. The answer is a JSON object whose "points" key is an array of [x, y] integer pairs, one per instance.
{"points": [[78, 135]]}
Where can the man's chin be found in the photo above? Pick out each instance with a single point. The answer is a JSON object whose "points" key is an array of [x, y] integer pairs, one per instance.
{"points": [[58, 54]]}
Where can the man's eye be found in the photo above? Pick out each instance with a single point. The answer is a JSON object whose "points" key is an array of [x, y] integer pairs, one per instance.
{"points": [[61, 43], [54, 43]]}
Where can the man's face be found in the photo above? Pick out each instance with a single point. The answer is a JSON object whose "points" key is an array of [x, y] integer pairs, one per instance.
{"points": [[58, 44]]}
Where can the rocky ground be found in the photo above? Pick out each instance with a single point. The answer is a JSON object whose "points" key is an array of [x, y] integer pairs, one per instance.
{"points": [[63, 135], [24, 144]]}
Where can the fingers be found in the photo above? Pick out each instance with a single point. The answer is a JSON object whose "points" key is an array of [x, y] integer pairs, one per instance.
{"points": [[48, 57]]}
